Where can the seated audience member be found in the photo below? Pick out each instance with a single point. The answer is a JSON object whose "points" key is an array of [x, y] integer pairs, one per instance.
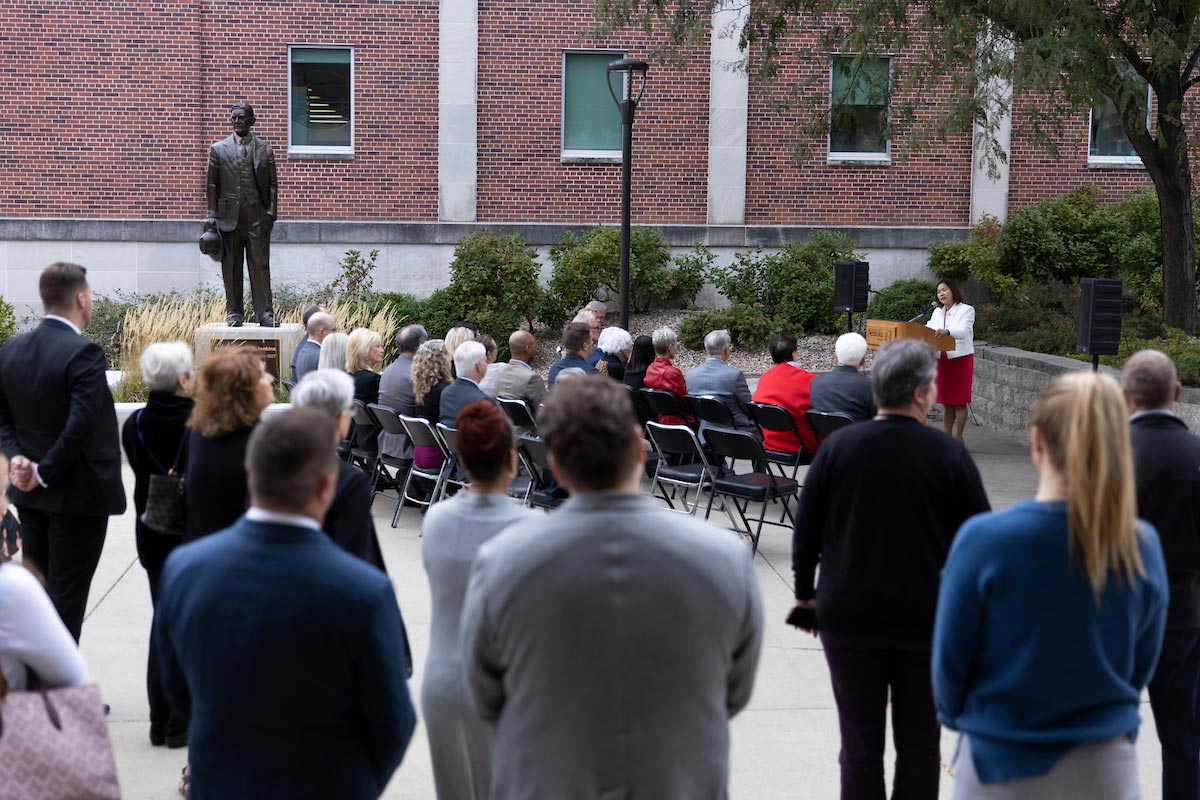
{"points": [[454, 337], [577, 347], [843, 389], [597, 309], [308, 357], [662, 374], [396, 389], [364, 355], [152, 437], [317, 634], [470, 359], [33, 638], [786, 384], [595, 323], [459, 741], [1166, 463], [348, 520], [881, 546], [519, 379], [430, 377], [616, 344], [570, 374], [309, 310], [488, 384], [333, 352], [599, 588], [1051, 614], [641, 356], [715, 378], [232, 391]]}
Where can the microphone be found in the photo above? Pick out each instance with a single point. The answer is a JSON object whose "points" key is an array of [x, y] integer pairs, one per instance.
{"points": [[925, 311]]}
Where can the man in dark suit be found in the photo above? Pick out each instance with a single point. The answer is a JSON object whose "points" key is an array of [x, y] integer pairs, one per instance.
{"points": [[1166, 464], [308, 356], [282, 648], [396, 389], [470, 364], [59, 431], [312, 308], [242, 191], [843, 388], [577, 349]]}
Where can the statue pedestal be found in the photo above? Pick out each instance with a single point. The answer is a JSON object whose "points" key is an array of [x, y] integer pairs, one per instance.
{"points": [[276, 344]]}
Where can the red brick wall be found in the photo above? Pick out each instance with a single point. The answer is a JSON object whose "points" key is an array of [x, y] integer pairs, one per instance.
{"points": [[112, 105], [521, 177]]}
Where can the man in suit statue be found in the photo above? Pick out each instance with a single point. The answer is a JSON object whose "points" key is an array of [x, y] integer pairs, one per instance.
{"points": [[613, 639], [242, 195], [58, 428]]}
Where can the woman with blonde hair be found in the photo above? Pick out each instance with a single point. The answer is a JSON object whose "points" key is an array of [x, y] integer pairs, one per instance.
{"points": [[430, 376], [364, 354], [333, 351], [454, 337], [1051, 615]]}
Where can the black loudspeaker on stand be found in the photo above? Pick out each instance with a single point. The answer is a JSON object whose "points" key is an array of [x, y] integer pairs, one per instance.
{"points": [[851, 282], [1099, 318]]}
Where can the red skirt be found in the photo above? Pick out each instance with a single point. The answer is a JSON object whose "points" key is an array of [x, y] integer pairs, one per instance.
{"points": [[954, 376]]}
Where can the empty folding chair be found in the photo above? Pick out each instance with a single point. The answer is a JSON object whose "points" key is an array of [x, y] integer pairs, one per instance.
{"points": [[389, 422], [678, 443], [756, 486], [365, 429], [456, 474]]}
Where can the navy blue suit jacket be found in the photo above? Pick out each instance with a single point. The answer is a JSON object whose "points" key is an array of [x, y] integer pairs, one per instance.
{"points": [[287, 655], [455, 398]]}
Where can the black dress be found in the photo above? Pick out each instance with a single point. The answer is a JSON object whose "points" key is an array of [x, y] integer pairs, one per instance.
{"points": [[366, 390], [216, 486], [616, 369]]}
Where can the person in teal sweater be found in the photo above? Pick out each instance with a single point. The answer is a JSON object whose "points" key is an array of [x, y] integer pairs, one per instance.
{"points": [[1051, 615]]}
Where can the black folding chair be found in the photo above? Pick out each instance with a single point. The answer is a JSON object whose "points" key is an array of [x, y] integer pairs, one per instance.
{"points": [[456, 474], [289, 385], [823, 423], [518, 412], [389, 422], [679, 443], [710, 410], [546, 493], [771, 417], [639, 405], [661, 403], [423, 434], [762, 487], [365, 429]]}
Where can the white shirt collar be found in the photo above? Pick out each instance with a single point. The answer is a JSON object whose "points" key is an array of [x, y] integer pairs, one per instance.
{"points": [[256, 514], [66, 322]]}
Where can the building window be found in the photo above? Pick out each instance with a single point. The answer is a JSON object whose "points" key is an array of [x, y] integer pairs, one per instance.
{"points": [[1108, 145], [858, 109], [591, 123], [322, 115]]}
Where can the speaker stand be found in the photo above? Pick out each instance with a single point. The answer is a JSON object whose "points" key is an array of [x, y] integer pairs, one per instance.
{"points": [[1095, 362], [849, 322]]}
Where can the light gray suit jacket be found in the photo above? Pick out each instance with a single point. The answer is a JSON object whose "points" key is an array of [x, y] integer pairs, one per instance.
{"points": [[611, 641], [396, 392], [520, 380], [717, 379]]}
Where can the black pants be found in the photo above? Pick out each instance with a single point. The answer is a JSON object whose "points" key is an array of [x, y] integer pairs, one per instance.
{"points": [[1175, 698], [153, 549], [249, 242], [65, 548], [864, 674]]}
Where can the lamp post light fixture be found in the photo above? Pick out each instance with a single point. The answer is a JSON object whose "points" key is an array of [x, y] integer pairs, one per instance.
{"points": [[627, 104]]}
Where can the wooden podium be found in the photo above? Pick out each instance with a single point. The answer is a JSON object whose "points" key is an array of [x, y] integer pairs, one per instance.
{"points": [[882, 331]]}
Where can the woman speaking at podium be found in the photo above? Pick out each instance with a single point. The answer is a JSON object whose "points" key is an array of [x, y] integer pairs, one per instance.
{"points": [[956, 368]]}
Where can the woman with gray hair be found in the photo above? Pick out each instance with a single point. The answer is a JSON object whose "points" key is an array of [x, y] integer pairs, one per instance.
{"points": [[333, 351], [348, 521], [152, 438], [881, 503], [616, 344]]}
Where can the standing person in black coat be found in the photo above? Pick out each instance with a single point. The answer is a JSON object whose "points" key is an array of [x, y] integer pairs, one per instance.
{"points": [[233, 390], [880, 506], [153, 438], [1166, 465], [58, 428]]}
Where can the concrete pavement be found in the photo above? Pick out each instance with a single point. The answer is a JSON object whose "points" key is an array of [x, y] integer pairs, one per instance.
{"points": [[785, 745]]}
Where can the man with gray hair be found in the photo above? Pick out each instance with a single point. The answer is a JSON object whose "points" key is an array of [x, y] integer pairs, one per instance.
{"points": [[1166, 464], [880, 506], [320, 325], [396, 390], [470, 365], [843, 389], [662, 374], [715, 378]]}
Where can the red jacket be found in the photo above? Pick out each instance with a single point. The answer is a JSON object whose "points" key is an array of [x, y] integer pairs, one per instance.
{"points": [[662, 374], [787, 385]]}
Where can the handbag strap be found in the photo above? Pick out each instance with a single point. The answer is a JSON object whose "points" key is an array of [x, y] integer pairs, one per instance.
{"points": [[137, 426]]}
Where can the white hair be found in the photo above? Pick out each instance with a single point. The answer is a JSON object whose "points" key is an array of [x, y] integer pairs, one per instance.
{"points": [[333, 351], [467, 355], [614, 340], [328, 390], [585, 317], [663, 338], [850, 348], [164, 363], [569, 374], [716, 342]]}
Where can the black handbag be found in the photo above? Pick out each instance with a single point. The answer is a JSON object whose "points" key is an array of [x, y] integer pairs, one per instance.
{"points": [[166, 505]]}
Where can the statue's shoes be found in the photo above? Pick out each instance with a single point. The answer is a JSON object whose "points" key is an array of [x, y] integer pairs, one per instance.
{"points": [[268, 321], [234, 320]]}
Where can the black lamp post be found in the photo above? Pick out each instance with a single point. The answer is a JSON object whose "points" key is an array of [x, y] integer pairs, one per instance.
{"points": [[627, 104]]}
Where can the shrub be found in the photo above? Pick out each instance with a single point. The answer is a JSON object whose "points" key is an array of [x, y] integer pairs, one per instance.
{"points": [[494, 282], [8, 320], [748, 325], [108, 321], [902, 300], [355, 281], [795, 285], [977, 256], [688, 276], [1066, 237]]}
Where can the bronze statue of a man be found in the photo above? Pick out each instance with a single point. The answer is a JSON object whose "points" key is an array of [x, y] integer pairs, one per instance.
{"points": [[242, 194]]}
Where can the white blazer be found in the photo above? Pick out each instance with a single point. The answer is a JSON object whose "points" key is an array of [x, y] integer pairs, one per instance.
{"points": [[960, 321]]}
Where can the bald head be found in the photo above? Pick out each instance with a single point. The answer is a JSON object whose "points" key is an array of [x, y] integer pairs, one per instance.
{"points": [[320, 325], [1149, 381], [522, 346]]}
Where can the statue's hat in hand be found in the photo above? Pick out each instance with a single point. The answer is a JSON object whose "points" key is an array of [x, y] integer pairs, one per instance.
{"points": [[211, 244]]}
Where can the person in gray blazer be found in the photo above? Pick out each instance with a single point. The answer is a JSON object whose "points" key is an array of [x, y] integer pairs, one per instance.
{"points": [[843, 388], [396, 389], [611, 641], [470, 364], [518, 379], [320, 325], [715, 378]]}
